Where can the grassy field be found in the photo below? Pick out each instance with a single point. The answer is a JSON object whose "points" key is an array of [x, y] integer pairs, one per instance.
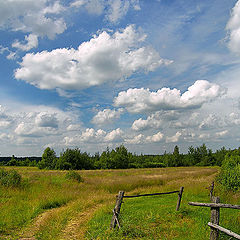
{"points": [[49, 206]]}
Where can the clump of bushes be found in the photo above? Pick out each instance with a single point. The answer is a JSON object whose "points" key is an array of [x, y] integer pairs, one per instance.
{"points": [[10, 178], [72, 175], [229, 176]]}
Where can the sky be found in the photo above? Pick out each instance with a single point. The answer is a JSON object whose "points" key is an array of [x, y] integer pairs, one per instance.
{"points": [[92, 74]]}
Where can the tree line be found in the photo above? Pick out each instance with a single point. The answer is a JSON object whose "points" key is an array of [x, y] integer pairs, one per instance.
{"points": [[121, 158]]}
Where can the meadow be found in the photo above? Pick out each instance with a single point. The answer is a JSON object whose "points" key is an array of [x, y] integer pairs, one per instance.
{"points": [[47, 205]]}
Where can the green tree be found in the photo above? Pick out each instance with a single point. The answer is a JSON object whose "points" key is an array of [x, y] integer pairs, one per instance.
{"points": [[120, 158], [229, 176], [176, 157], [74, 159], [49, 159], [104, 160]]}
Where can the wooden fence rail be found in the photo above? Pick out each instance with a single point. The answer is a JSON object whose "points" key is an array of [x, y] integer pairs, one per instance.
{"points": [[216, 205], [215, 215], [150, 194], [228, 232], [119, 201]]}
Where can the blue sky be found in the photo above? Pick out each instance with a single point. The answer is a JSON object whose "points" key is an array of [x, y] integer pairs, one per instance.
{"points": [[97, 73]]}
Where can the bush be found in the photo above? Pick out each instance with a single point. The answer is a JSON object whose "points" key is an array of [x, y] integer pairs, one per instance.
{"points": [[229, 176], [154, 165], [10, 178], [72, 175]]}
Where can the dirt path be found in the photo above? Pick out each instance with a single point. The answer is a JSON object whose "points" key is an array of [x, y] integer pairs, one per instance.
{"points": [[76, 228], [30, 231]]}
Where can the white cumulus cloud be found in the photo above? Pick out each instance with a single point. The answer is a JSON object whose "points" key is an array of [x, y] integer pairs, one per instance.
{"points": [[90, 135], [104, 58], [135, 140], [44, 119], [107, 116], [155, 138], [37, 17], [153, 121], [143, 100], [174, 138], [114, 136]]}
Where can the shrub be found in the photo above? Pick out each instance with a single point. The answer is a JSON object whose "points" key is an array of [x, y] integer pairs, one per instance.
{"points": [[229, 176], [72, 175], [154, 165], [10, 178]]}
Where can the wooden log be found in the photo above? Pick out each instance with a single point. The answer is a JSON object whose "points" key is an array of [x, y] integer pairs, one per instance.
{"points": [[220, 205], [226, 231], [150, 194], [215, 215], [179, 198], [117, 209]]}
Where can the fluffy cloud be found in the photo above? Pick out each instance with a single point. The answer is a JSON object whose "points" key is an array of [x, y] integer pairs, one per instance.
{"points": [[91, 135], [174, 138], [30, 130], [35, 121], [73, 127], [190, 121], [155, 138], [153, 121], [106, 116], [37, 17], [44, 119], [135, 140], [41, 122], [233, 27], [102, 59], [31, 42], [143, 100], [114, 136]]}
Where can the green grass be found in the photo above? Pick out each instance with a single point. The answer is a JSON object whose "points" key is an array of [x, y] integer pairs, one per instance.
{"points": [[49, 206], [155, 217]]}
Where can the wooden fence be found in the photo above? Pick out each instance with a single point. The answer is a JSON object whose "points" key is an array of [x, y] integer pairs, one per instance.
{"points": [[215, 215], [215, 206], [119, 200]]}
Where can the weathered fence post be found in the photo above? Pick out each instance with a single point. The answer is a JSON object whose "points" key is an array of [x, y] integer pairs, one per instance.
{"points": [[211, 191], [179, 198], [116, 210], [215, 214]]}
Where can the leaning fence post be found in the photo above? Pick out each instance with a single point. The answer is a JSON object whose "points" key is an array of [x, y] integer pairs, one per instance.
{"points": [[116, 210], [211, 191], [215, 214], [179, 198]]}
